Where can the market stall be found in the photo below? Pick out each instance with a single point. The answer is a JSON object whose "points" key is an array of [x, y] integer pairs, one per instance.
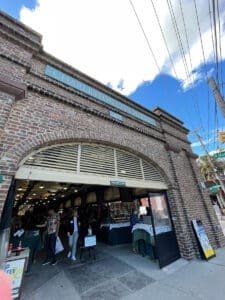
{"points": [[117, 233]]}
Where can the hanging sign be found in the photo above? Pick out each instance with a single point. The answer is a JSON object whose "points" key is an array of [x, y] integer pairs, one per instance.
{"points": [[203, 240], [117, 183]]}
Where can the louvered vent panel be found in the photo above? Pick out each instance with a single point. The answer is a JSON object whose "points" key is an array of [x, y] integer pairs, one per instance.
{"points": [[97, 160], [62, 157], [128, 165], [150, 172]]}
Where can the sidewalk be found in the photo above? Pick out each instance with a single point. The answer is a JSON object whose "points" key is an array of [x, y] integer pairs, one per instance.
{"points": [[119, 274]]}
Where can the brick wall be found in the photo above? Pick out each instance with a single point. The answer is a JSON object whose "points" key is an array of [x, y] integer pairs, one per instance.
{"points": [[52, 113]]}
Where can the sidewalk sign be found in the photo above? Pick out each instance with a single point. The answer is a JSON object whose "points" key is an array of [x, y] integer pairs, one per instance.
{"points": [[15, 268], [203, 241]]}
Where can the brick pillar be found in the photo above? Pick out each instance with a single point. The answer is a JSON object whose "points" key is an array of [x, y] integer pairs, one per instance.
{"points": [[4, 188], [214, 229], [179, 213], [6, 102]]}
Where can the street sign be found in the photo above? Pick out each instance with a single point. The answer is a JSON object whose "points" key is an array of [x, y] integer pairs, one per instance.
{"points": [[219, 154], [117, 183]]}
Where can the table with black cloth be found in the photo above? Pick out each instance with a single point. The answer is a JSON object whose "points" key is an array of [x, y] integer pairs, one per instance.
{"points": [[30, 240], [116, 233]]}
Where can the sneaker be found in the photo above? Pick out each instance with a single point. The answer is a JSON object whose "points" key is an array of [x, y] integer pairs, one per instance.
{"points": [[46, 262], [73, 258], [54, 262], [69, 254]]}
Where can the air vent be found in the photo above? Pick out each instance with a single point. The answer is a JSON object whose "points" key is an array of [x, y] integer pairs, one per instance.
{"points": [[94, 159]]}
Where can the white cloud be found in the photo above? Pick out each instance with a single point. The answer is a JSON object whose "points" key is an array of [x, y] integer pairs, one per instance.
{"points": [[103, 39]]}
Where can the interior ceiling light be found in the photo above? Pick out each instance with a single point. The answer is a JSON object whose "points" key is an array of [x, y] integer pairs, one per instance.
{"points": [[65, 188], [34, 194], [75, 191], [20, 189], [41, 187], [63, 196]]}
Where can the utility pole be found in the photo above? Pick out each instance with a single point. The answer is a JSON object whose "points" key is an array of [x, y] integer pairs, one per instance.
{"points": [[210, 161], [218, 97]]}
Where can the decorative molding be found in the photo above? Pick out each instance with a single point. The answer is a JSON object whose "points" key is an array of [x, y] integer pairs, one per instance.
{"points": [[170, 147], [12, 87]]}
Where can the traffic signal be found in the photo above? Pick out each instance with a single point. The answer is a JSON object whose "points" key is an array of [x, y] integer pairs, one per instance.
{"points": [[221, 136]]}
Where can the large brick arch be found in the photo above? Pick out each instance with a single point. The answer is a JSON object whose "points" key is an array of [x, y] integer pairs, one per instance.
{"points": [[20, 151]]}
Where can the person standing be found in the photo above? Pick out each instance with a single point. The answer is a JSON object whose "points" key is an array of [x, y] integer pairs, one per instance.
{"points": [[134, 219], [52, 224], [73, 234]]}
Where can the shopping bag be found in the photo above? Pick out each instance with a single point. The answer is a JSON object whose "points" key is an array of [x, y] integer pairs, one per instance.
{"points": [[58, 246]]}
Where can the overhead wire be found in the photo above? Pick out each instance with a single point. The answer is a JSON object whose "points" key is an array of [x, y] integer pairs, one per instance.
{"points": [[145, 36], [164, 39], [191, 65], [220, 47], [182, 52], [216, 59]]}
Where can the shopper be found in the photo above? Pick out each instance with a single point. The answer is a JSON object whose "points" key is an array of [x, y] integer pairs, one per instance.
{"points": [[73, 234], [52, 224], [134, 219]]}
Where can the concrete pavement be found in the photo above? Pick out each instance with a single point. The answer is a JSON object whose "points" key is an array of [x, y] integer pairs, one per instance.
{"points": [[119, 274]]}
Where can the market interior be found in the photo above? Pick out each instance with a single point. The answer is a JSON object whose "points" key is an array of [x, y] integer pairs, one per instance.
{"points": [[106, 209]]}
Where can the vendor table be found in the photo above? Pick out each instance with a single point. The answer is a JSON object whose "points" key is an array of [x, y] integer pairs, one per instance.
{"points": [[33, 242], [116, 233]]}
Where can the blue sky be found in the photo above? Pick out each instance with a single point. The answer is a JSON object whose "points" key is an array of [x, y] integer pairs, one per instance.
{"points": [[194, 105]]}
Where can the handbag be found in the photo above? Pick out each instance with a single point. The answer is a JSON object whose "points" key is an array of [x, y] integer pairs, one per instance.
{"points": [[58, 246]]}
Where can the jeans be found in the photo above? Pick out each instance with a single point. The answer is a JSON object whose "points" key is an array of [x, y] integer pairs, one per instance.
{"points": [[50, 242], [73, 243]]}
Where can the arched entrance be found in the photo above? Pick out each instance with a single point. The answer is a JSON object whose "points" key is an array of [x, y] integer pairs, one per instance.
{"points": [[80, 175]]}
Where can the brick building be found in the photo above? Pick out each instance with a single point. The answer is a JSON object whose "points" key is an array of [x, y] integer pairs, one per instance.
{"points": [[45, 102]]}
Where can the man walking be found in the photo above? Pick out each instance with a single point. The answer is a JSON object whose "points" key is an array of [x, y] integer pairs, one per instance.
{"points": [[52, 223], [73, 234]]}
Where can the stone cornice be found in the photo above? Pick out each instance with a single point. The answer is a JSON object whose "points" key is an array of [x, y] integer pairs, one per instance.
{"points": [[14, 88]]}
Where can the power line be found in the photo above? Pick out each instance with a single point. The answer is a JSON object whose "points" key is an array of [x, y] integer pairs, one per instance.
{"points": [[191, 65], [164, 38], [180, 44], [173, 18], [200, 34], [145, 36], [220, 48]]}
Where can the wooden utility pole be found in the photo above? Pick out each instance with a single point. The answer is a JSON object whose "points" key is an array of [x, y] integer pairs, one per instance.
{"points": [[218, 97], [217, 176]]}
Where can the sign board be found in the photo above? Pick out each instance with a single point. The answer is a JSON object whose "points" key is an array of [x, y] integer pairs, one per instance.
{"points": [[219, 154], [15, 269], [117, 183], [1, 179], [90, 241], [203, 240]]}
